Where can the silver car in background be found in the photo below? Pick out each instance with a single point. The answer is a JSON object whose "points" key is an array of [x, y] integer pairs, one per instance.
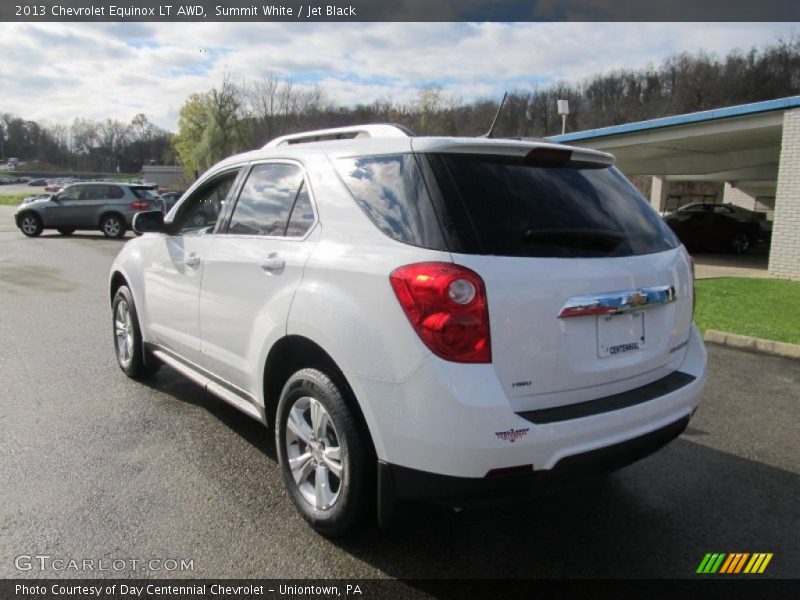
{"points": [[109, 207]]}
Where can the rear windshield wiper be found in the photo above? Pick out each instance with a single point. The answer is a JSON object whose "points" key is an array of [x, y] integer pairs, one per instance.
{"points": [[601, 240]]}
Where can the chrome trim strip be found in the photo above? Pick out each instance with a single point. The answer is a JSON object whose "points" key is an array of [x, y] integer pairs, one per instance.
{"points": [[224, 390], [617, 302]]}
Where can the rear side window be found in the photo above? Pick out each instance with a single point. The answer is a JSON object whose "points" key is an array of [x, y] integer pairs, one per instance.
{"points": [[115, 192], [267, 200], [504, 207], [390, 189], [302, 214], [95, 192]]}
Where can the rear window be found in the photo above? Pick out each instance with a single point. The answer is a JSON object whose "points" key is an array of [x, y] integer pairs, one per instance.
{"points": [[496, 206], [145, 193]]}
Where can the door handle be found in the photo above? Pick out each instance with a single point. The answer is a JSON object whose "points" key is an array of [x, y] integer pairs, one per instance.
{"points": [[273, 264], [193, 260]]}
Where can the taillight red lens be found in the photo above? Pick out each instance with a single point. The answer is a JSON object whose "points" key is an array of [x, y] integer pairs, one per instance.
{"points": [[446, 305], [139, 205]]}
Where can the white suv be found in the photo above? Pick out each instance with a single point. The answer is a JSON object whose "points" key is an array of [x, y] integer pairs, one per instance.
{"points": [[419, 318]]}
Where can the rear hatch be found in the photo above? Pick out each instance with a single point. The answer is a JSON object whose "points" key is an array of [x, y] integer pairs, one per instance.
{"points": [[558, 235], [589, 293]]}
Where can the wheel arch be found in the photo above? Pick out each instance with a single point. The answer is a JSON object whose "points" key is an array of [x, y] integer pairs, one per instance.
{"points": [[294, 352], [116, 282], [19, 216]]}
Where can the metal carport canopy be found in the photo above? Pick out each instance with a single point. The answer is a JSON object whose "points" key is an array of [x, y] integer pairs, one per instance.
{"points": [[738, 143]]}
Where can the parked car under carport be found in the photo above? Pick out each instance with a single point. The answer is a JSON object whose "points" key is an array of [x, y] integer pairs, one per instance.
{"points": [[709, 230]]}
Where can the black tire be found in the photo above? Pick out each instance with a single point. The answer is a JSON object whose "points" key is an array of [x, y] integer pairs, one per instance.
{"points": [[134, 363], [65, 230], [113, 226], [30, 224], [352, 489], [740, 242]]}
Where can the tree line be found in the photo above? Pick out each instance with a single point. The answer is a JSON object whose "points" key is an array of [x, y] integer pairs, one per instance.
{"points": [[86, 145], [240, 113]]}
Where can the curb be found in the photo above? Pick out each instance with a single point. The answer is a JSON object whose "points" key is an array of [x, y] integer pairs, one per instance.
{"points": [[752, 344]]}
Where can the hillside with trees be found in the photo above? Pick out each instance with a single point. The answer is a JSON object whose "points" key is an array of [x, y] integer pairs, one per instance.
{"points": [[240, 113]]}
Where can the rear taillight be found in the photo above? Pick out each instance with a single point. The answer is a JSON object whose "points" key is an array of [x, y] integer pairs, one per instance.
{"points": [[140, 205], [446, 305], [694, 287]]}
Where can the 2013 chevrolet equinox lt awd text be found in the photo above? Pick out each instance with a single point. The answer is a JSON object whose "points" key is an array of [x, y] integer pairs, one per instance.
{"points": [[419, 318]]}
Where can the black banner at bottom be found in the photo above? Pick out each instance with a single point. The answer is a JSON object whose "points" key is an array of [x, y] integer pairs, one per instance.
{"points": [[368, 589]]}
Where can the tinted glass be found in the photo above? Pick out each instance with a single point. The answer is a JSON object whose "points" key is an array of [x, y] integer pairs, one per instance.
{"points": [[200, 212], [73, 192], [145, 193], [390, 189], [302, 215], [266, 200], [95, 192], [116, 192], [498, 207]]}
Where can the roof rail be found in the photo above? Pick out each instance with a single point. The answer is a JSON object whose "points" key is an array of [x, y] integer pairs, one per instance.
{"points": [[379, 130]]}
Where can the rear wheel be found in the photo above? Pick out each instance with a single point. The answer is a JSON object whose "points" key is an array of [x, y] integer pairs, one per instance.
{"points": [[112, 226], [322, 452], [128, 338], [740, 243], [65, 231], [30, 224]]}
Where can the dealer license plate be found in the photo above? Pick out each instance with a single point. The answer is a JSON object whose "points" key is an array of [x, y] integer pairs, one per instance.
{"points": [[620, 334]]}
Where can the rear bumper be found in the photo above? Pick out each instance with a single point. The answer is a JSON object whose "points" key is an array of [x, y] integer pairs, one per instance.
{"points": [[398, 483], [455, 420]]}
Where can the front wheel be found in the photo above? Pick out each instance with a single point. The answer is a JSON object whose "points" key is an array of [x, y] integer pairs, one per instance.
{"points": [[322, 453], [113, 226], [31, 225], [128, 337]]}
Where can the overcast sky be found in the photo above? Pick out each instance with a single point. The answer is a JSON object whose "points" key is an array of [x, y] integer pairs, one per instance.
{"points": [[59, 71]]}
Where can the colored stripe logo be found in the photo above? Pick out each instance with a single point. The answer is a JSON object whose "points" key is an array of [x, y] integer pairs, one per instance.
{"points": [[734, 563]]}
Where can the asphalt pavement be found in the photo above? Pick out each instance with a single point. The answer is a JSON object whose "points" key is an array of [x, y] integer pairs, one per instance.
{"points": [[94, 465]]}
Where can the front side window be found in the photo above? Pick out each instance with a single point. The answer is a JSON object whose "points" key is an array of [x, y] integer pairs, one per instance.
{"points": [[268, 200], [71, 193], [200, 212]]}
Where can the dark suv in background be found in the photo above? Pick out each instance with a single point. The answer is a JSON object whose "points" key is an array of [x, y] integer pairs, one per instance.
{"points": [[109, 207]]}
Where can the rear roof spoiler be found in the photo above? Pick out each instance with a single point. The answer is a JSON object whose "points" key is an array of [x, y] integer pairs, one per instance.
{"points": [[546, 151]]}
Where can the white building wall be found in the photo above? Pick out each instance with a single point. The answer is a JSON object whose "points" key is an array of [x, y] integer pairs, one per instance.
{"points": [[784, 260], [738, 197]]}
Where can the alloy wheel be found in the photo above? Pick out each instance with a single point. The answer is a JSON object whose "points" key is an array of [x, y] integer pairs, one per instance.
{"points": [[111, 226], [29, 225], [123, 333], [314, 454]]}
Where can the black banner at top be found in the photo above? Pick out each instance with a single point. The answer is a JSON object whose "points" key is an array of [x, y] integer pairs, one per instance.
{"points": [[399, 10]]}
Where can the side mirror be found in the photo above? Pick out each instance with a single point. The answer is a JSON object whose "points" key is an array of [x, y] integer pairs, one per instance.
{"points": [[151, 221]]}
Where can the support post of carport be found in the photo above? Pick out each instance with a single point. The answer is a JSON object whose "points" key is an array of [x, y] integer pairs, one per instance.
{"points": [[784, 257], [658, 193]]}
